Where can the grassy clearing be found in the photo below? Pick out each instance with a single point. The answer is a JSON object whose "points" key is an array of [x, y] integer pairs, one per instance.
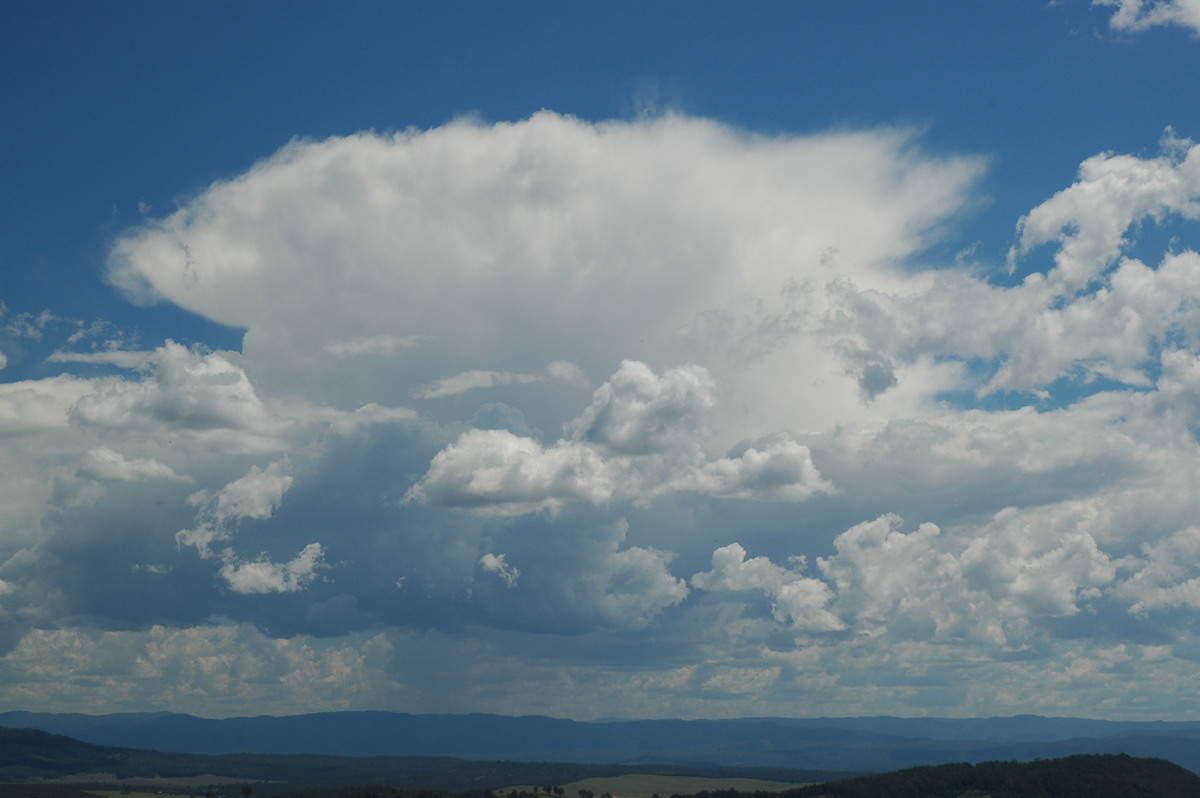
{"points": [[644, 785]]}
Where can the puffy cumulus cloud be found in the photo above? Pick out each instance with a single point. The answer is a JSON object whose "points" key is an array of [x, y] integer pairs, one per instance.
{"points": [[1093, 315], [921, 585], [782, 470], [1039, 564], [1136, 15], [799, 600], [637, 412], [1089, 219], [199, 395], [264, 576], [1166, 576], [494, 472], [639, 439], [989, 588]]}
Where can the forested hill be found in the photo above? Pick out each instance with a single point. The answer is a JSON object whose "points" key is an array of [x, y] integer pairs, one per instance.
{"points": [[33, 755], [1083, 776], [847, 744], [29, 754]]}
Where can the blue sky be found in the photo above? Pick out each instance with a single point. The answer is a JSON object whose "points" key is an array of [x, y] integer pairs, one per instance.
{"points": [[626, 359]]}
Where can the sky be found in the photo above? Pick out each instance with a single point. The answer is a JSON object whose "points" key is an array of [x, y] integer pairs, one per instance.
{"points": [[598, 360]]}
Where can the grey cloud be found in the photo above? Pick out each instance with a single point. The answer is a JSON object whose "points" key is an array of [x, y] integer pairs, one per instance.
{"points": [[105, 464], [497, 415], [577, 575], [202, 396], [374, 345], [636, 412]]}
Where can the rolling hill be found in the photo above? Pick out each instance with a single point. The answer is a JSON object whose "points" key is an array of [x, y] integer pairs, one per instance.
{"points": [[841, 744]]}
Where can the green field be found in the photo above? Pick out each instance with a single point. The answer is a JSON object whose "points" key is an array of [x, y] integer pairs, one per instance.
{"points": [[639, 785]]}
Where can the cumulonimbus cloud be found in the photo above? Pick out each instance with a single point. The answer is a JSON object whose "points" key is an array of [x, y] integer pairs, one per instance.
{"points": [[931, 466]]}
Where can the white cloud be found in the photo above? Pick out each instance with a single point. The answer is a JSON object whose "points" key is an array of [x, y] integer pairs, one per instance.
{"points": [[1037, 565], [255, 495], [496, 564], [1089, 219], [639, 439], [263, 576], [105, 464], [781, 470], [1093, 315], [495, 472], [985, 584], [1136, 15], [1166, 575], [33, 405], [797, 599], [509, 246]]}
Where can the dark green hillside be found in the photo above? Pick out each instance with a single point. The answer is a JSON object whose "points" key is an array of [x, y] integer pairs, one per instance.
{"points": [[1082, 776], [28, 753]]}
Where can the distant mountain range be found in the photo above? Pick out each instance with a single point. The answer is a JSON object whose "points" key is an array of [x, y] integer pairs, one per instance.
{"points": [[873, 744]]}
